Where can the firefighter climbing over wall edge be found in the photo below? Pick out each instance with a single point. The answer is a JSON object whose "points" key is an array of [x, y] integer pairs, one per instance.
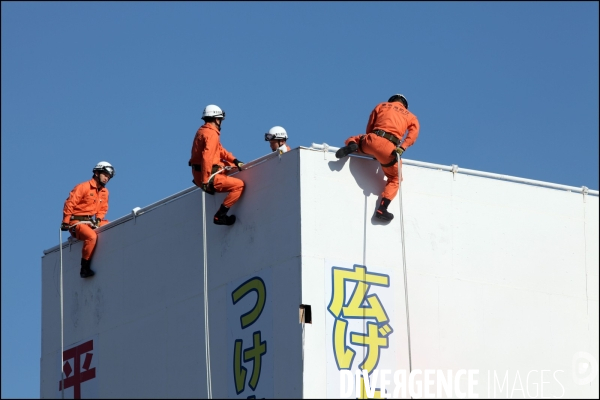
{"points": [[84, 211], [387, 125], [208, 163]]}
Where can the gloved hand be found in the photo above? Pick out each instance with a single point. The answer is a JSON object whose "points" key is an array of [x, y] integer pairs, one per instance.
{"points": [[96, 224], [239, 164], [64, 226], [208, 188], [399, 150]]}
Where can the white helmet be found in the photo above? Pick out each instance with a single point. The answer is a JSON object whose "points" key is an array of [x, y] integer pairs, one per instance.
{"points": [[104, 166], [275, 133], [212, 111]]}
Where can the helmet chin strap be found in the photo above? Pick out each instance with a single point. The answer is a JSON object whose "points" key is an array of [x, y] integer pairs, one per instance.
{"points": [[97, 177]]}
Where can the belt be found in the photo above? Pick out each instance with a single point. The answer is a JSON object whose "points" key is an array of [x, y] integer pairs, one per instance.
{"points": [[198, 167], [387, 136], [195, 167], [81, 217]]}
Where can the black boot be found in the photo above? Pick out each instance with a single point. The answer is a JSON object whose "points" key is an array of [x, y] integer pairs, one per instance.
{"points": [[382, 212], [86, 271], [221, 217], [344, 151]]}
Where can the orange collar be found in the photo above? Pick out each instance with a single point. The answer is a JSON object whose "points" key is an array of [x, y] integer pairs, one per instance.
{"points": [[208, 125], [95, 184]]}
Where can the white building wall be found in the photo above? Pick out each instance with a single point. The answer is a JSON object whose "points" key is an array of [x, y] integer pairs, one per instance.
{"points": [[502, 277], [145, 303]]}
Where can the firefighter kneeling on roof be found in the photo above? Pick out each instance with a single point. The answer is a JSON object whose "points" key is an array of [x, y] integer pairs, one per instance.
{"points": [[209, 163], [387, 125], [84, 211]]}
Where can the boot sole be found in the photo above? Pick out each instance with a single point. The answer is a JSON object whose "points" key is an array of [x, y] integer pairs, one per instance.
{"points": [[381, 216], [225, 222], [344, 151], [341, 153]]}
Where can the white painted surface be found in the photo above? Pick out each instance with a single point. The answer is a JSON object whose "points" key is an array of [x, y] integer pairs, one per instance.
{"points": [[146, 301], [502, 277]]}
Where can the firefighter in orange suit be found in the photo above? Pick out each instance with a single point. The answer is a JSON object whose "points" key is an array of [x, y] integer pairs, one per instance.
{"points": [[388, 123], [208, 161], [277, 138], [84, 211]]}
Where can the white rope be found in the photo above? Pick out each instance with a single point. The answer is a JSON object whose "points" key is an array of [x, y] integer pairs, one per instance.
{"points": [[221, 170], [404, 263], [206, 327], [81, 222], [62, 361], [77, 223], [206, 324]]}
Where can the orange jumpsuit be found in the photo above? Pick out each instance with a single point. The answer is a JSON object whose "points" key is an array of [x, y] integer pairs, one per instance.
{"points": [[395, 119], [86, 199], [206, 152]]}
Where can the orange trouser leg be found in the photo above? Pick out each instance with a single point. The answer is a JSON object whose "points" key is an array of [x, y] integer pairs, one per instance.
{"points": [[381, 149], [89, 237], [393, 182], [224, 183], [234, 186]]}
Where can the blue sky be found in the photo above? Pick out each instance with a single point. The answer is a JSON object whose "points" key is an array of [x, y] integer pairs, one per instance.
{"points": [[503, 87]]}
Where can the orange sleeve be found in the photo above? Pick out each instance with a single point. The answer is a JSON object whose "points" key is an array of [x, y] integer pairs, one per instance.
{"points": [[211, 145], [103, 207], [371, 123], [226, 156], [71, 202], [413, 132]]}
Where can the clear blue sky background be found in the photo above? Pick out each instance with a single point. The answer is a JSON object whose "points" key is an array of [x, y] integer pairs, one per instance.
{"points": [[503, 87]]}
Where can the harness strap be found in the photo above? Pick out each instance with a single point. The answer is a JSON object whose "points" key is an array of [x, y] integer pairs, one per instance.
{"points": [[393, 162], [72, 227], [198, 167], [81, 217], [360, 143], [387, 136]]}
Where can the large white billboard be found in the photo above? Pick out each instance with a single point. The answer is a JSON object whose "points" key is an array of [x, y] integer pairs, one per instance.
{"points": [[484, 288]]}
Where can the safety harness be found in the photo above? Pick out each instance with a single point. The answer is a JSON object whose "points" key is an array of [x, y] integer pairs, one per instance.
{"points": [[214, 170], [83, 219], [388, 136], [198, 167]]}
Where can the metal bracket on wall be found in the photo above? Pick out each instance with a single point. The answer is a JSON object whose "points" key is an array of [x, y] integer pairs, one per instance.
{"points": [[454, 171], [584, 191], [135, 212], [325, 151]]}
